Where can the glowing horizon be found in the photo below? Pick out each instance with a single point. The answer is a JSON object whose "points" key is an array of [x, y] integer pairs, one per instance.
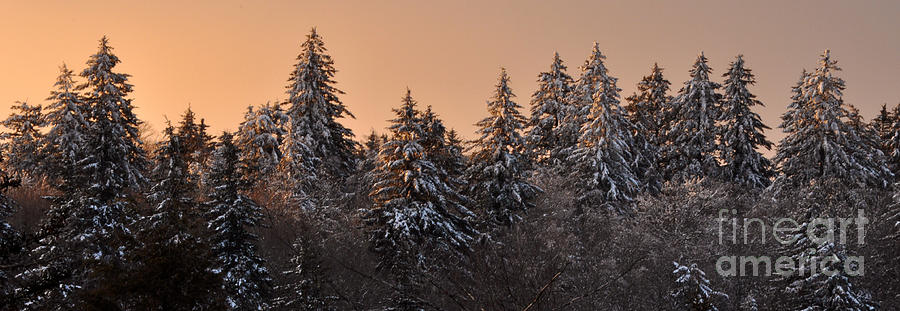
{"points": [[220, 59]]}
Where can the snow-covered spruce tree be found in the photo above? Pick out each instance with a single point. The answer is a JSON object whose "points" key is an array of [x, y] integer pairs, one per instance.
{"points": [[823, 137], [63, 145], [366, 168], [603, 160], [692, 289], [172, 192], [742, 131], [259, 137], [691, 141], [412, 206], [314, 108], [649, 108], [819, 279], [232, 215], [303, 289], [892, 144], [170, 265], [579, 109], [116, 160], [196, 143], [446, 155], [86, 227], [549, 105], [456, 161], [21, 143], [498, 176], [883, 123], [10, 240]]}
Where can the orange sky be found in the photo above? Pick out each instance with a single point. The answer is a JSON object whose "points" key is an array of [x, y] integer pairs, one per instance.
{"points": [[221, 56]]}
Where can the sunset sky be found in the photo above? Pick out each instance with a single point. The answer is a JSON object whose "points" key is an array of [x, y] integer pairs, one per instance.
{"points": [[221, 56]]}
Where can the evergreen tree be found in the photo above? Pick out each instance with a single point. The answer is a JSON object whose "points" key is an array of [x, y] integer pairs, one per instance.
{"points": [[691, 142], [86, 227], [372, 147], [650, 113], [824, 137], [498, 176], [172, 192], [232, 215], [455, 161], [260, 138], [116, 160], [446, 155], [313, 109], [883, 124], [892, 144], [819, 279], [10, 239], [649, 108], [413, 209], [21, 144], [171, 265], [197, 144], [692, 289], [63, 146], [604, 166], [742, 131], [303, 290], [549, 106]]}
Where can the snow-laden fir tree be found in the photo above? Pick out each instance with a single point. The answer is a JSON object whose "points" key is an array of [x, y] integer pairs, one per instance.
{"points": [[445, 154], [172, 192], [413, 209], [693, 291], [603, 160], [742, 131], [169, 265], [883, 123], [116, 160], [692, 138], [819, 279], [63, 146], [580, 102], [650, 114], [549, 105], [314, 107], [824, 139], [10, 239], [649, 107], [232, 215], [21, 143], [303, 288], [366, 167], [867, 140], [196, 143], [85, 226], [259, 137], [498, 175], [892, 144], [455, 161]]}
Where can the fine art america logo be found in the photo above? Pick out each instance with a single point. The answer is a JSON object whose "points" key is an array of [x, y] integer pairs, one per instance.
{"points": [[817, 234]]}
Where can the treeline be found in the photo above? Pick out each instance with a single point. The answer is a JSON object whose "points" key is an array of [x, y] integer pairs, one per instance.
{"points": [[587, 204]]}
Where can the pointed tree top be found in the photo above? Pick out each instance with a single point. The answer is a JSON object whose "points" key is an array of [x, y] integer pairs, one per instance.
{"points": [[826, 64], [595, 53], [104, 45]]}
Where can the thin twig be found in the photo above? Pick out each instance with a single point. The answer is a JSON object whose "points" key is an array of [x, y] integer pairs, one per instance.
{"points": [[543, 289]]}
